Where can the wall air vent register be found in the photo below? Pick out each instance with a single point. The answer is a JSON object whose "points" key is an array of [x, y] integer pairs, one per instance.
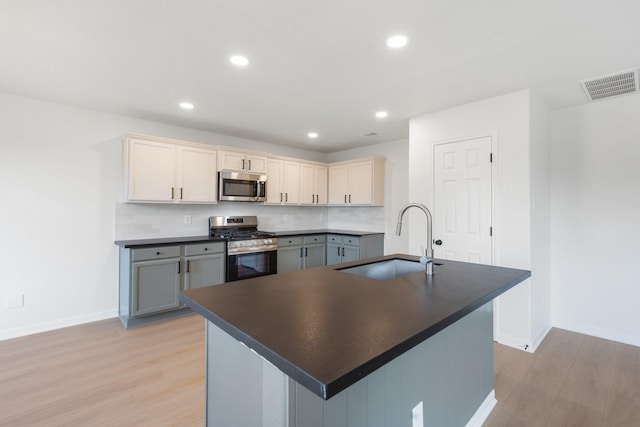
{"points": [[621, 83]]}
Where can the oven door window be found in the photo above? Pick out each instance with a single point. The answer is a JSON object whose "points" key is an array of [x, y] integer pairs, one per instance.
{"points": [[245, 266]]}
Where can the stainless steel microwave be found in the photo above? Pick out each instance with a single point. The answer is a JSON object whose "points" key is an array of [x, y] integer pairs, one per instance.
{"points": [[241, 187]]}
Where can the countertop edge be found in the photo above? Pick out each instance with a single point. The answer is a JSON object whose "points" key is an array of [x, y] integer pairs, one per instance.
{"points": [[360, 372], [332, 388], [169, 241], [302, 377]]}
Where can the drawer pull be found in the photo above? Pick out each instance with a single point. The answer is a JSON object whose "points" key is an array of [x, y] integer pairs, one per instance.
{"points": [[157, 253], [206, 249]]}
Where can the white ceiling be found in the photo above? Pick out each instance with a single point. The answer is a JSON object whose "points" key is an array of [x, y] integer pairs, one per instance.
{"points": [[319, 65]]}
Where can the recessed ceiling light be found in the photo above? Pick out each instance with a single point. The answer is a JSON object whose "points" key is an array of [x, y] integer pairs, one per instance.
{"points": [[381, 114], [186, 106], [312, 134], [240, 61], [397, 41]]}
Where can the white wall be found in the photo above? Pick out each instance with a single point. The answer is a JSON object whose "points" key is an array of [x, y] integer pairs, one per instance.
{"points": [[507, 119], [60, 182], [595, 218], [396, 195], [540, 220]]}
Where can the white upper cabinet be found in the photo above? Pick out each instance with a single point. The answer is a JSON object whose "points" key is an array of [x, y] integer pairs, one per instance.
{"points": [[166, 172], [283, 182], [159, 170], [242, 162], [313, 184], [197, 175], [151, 171], [275, 177], [359, 182]]}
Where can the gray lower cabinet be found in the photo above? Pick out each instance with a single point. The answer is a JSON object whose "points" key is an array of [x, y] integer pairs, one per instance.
{"points": [[204, 265], [345, 248], [315, 250], [300, 252], [290, 254], [151, 278], [155, 286]]}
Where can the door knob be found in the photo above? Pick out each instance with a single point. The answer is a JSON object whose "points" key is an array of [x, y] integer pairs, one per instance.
{"points": [[438, 242]]}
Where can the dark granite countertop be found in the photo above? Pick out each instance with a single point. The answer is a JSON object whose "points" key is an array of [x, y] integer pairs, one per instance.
{"points": [[327, 329], [324, 231], [165, 241]]}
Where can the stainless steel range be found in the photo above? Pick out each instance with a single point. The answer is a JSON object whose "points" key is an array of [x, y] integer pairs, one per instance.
{"points": [[250, 252]]}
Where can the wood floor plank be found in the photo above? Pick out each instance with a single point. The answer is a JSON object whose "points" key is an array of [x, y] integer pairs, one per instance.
{"points": [[101, 374]]}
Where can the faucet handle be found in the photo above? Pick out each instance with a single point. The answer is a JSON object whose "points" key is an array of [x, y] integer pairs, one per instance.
{"points": [[425, 260]]}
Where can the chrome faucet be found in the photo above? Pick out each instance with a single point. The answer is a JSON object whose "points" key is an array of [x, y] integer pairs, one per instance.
{"points": [[428, 259]]}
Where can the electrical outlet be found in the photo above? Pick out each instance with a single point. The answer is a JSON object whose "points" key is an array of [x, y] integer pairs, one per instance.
{"points": [[187, 219], [14, 301], [417, 415]]}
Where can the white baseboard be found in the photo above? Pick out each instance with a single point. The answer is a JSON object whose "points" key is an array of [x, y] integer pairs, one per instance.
{"points": [[56, 324], [483, 411], [631, 339], [513, 342], [536, 342]]}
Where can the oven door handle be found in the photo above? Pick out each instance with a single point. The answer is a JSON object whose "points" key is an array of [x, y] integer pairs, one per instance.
{"points": [[257, 249]]}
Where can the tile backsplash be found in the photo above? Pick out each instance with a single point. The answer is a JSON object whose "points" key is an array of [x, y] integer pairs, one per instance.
{"points": [[141, 220]]}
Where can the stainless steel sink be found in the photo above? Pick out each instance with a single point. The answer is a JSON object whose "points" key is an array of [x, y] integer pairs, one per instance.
{"points": [[385, 270]]}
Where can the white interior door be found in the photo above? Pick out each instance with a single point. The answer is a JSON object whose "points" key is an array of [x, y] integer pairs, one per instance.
{"points": [[462, 201]]}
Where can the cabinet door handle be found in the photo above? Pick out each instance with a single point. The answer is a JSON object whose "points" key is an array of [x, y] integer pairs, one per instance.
{"points": [[305, 252], [188, 262], [178, 267], [242, 164], [349, 198], [317, 198], [280, 197], [342, 251], [172, 193], [249, 164], [180, 193], [313, 198], [338, 251], [345, 198], [286, 197], [300, 252]]}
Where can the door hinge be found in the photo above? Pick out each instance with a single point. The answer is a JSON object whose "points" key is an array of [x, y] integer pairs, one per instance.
{"points": [[490, 231], [490, 157]]}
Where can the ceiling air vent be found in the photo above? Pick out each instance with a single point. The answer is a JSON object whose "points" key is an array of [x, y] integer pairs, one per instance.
{"points": [[611, 85]]}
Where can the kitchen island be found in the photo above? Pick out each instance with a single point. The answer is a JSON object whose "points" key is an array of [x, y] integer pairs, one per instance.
{"points": [[327, 347]]}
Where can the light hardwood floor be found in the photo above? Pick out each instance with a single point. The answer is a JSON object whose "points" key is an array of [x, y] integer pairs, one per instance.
{"points": [[100, 374]]}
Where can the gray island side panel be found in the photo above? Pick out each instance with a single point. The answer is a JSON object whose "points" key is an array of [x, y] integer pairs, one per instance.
{"points": [[451, 373]]}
